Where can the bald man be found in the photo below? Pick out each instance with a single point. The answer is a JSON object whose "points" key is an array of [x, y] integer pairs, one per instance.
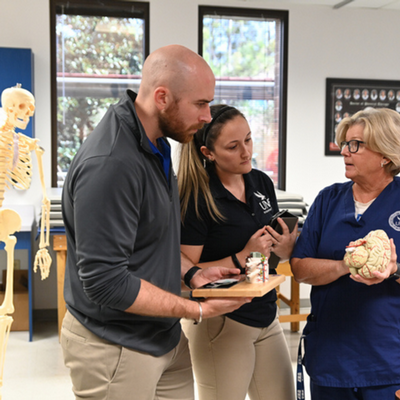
{"points": [[121, 335]]}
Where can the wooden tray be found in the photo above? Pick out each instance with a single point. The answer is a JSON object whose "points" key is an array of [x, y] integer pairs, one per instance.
{"points": [[242, 289]]}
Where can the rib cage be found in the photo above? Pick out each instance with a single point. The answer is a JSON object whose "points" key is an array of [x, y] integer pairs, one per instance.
{"points": [[15, 162]]}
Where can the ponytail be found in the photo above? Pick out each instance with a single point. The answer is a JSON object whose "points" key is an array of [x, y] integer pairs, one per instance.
{"points": [[193, 179]]}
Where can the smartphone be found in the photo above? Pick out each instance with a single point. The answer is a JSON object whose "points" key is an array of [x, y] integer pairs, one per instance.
{"points": [[221, 283], [290, 220]]}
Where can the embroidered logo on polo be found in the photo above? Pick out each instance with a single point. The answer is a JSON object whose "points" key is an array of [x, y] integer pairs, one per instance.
{"points": [[394, 221], [264, 202]]}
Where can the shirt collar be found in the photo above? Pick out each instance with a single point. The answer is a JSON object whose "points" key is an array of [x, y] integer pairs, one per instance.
{"points": [[219, 190], [163, 154]]}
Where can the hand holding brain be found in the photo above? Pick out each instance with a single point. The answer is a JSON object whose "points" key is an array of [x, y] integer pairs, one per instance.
{"points": [[369, 254]]}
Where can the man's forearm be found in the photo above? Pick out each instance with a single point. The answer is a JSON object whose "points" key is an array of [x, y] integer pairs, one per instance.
{"points": [[156, 302]]}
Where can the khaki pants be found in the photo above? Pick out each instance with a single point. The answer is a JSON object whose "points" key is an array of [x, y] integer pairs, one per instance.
{"points": [[231, 359], [101, 370]]}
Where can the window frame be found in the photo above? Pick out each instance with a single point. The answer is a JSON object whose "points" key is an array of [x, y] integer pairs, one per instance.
{"points": [[112, 8], [283, 16]]}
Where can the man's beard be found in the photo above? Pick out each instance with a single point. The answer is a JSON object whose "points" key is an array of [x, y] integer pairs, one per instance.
{"points": [[174, 128]]}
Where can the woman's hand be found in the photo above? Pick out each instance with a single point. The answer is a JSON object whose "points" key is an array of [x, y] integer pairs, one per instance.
{"points": [[380, 276], [282, 245], [261, 241]]}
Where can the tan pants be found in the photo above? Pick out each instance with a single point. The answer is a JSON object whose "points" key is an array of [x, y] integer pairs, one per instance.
{"points": [[101, 370], [231, 359]]}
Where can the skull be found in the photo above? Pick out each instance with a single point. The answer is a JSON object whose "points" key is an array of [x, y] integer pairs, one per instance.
{"points": [[19, 105]]}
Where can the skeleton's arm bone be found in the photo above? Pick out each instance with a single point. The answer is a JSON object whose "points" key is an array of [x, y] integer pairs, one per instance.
{"points": [[42, 259], [45, 222], [32, 144]]}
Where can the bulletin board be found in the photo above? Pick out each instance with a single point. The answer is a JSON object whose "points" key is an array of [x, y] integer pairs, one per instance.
{"points": [[344, 97]]}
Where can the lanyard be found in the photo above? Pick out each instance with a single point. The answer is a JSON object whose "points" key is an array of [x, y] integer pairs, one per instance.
{"points": [[300, 374]]}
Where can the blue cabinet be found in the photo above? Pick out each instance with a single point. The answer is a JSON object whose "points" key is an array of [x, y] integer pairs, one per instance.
{"points": [[16, 66]]}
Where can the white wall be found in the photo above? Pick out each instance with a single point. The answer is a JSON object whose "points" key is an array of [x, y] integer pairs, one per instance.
{"points": [[344, 43]]}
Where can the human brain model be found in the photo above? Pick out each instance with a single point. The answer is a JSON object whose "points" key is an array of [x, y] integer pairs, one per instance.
{"points": [[256, 268], [369, 254]]}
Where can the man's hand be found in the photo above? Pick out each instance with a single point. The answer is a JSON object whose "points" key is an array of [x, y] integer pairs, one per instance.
{"points": [[212, 274], [214, 306]]}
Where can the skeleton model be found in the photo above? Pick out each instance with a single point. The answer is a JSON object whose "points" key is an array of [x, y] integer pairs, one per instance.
{"points": [[16, 170]]}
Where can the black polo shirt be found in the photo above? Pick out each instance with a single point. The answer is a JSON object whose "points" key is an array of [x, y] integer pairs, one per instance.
{"points": [[227, 237]]}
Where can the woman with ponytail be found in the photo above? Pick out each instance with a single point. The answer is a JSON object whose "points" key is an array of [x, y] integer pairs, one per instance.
{"points": [[225, 207]]}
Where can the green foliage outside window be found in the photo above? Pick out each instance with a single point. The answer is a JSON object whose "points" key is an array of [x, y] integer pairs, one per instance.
{"points": [[244, 52], [91, 47], [237, 47], [99, 45], [92, 50]]}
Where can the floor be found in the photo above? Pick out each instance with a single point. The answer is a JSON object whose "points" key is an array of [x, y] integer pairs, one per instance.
{"points": [[35, 370]]}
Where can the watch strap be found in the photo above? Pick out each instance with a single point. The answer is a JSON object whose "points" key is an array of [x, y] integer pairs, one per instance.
{"points": [[189, 275], [395, 275], [237, 264]]}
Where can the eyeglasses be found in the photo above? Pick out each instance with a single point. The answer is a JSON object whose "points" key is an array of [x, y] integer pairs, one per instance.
{"points": [[353, 145]]}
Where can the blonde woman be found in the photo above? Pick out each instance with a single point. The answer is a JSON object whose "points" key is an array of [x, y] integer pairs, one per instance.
{"points": [[352, 338]]}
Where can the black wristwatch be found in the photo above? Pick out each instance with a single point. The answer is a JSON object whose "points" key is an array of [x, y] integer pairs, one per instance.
{"points": [[189, 275], [396, 275]]}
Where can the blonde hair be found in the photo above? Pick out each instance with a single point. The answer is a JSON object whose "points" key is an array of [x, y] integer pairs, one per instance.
{"points": [[381, 133], [193, 177]]}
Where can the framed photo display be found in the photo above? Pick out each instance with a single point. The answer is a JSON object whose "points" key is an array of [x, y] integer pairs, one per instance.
{"points": [[344, 97]]}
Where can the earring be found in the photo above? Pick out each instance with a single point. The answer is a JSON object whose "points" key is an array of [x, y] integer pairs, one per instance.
{"points": [[383, 163], [204, 162]]}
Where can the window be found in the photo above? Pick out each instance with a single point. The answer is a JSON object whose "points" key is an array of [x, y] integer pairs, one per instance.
{"points": [[247, 51], [97, 51]]}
